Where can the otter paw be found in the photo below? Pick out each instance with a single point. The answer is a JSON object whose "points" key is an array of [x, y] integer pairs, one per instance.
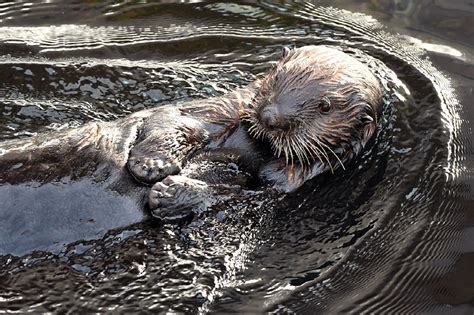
{"points": [[149, 170], [177, 196]]}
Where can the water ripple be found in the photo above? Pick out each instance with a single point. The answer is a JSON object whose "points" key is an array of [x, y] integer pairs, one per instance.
{"points": [[379, 238]]}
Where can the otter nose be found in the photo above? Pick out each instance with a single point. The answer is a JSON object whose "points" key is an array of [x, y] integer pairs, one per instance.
{"points": [[273, 120]]}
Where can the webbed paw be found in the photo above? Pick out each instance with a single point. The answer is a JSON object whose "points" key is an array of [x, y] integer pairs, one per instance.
{"points": [[177, 196], [151, 169]]}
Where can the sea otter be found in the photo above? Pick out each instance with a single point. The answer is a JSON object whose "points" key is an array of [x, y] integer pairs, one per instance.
{"points": [[313, 112]]}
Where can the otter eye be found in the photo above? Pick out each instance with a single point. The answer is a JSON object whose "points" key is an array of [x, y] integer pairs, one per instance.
{"points": [[325, 105]]}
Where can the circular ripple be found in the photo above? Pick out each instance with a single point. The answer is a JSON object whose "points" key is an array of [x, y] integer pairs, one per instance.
{"points": [[378, 238]]}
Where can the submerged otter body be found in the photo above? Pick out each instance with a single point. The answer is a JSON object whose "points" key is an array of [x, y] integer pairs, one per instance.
{"points": [[313, 112]]}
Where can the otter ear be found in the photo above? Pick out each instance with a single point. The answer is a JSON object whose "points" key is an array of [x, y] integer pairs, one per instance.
{"points": [[367, 119], [285, 52]]}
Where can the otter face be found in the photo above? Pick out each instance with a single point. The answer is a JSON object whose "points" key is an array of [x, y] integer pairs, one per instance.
{"points": [[318, 103]]}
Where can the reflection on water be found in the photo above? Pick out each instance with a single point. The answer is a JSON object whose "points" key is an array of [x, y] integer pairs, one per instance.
{"points": [[389, 235]]}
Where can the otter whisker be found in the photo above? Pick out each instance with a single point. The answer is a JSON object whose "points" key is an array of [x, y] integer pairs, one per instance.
{"points": [[279, 150], [252, 128], [323, 153], [288, 151], [289, 142], [303, 152], [313, 148], [318, 144], [276, 147], [337, 157], [260, 133], [296, 151]]}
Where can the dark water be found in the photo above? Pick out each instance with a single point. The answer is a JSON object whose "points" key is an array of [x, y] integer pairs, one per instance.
{"points": [[392, 234]]}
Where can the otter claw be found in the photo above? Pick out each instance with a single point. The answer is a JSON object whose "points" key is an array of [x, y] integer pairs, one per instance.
{"points": [[176, 197], [150, 170]]}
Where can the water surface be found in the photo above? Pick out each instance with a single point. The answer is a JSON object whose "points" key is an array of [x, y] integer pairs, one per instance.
{"points": [[391, 234]]}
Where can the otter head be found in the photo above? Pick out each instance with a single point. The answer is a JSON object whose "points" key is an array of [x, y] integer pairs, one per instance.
{"points": [[317, 103]]}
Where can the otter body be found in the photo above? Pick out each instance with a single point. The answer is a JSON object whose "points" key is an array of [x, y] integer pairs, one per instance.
{"points": [[313, 112]]}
